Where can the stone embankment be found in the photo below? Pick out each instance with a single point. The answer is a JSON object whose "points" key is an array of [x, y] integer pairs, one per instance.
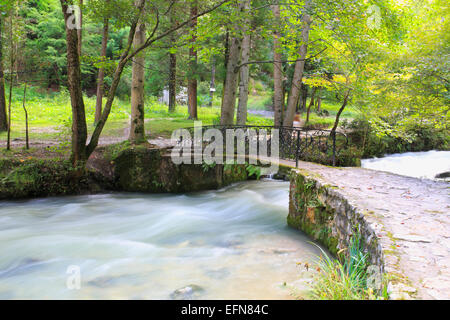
{"points": [[404, 222]]}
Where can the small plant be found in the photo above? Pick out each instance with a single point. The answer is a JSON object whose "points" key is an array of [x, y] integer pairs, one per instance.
{"points": [[345, 278], [208, 166], [253, 171]]}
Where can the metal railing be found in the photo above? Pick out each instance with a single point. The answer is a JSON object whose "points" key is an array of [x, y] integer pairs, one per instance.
{"points": [[314, 145]]}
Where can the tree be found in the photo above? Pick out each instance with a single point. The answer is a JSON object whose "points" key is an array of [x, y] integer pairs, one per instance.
{"points": [[241, 118], [79, 128], [192, 80], [137, 129], [172, 67], [299, 67], [278, 99], [3, 116], [101, 70], [212, 85], [80, 151], [232, 71]]}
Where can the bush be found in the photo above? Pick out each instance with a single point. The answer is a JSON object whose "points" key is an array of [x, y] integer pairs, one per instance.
{"points": [[363, 136]]}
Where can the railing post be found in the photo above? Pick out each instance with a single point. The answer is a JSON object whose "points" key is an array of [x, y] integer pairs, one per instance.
{"points": [[298, 149]]}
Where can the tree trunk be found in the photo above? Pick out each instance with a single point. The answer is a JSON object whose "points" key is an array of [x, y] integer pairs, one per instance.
{"points": [[137, 130], [226, 57], [244, 72], [8, 138], [172, 81], [3, 116], [278, 100], [79, 129], [27, 144], [212, 86], [229, 90], [80, 31], [311, 103], [172, 68], [298, 71], [319, 101], [101, 72], [304, 96], [192, 81], [341, 109]]}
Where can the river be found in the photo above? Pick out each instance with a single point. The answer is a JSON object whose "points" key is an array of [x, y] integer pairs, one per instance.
{"points": [[232, 243], [412, 164]]}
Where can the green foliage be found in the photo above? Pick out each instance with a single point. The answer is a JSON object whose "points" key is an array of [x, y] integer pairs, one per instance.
{"points": [[253, 171], [370, 140], [208, 166], [344, 278]]}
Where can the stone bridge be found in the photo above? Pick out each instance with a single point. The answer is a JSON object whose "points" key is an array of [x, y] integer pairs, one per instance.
{"points": [[404, 222]]}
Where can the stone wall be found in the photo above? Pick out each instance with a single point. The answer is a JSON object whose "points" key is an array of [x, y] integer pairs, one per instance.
{"points": [[134, 169], [321, 211], [139, 169]]}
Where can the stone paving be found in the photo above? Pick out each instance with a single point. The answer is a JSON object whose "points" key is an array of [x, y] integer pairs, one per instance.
{"points": [[412, 220]]}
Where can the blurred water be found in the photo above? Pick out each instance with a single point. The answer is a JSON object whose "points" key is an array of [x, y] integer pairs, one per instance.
{"points": [[228, 244], [413, 164]]}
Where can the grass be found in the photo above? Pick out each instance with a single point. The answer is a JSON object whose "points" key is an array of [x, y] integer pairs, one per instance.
{"points": [[346, 278], [49, 116]]}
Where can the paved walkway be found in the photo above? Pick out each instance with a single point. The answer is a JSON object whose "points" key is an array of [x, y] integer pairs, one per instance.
{"points": [[412, 218]]}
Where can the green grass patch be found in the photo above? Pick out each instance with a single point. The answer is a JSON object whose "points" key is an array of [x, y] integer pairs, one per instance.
{"points": [[346, 278]]}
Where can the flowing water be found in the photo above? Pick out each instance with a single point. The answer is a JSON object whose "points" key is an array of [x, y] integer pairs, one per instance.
{"points": [[228, 244], [413, 164]]}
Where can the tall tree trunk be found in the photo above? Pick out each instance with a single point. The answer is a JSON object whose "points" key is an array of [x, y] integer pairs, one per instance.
{"points": [[192, 81], [229, 90], [8, 138], [226, 57], [172, 81], [278, 99], [80, 31], [319, 100], [298, 71], [212, 86], [124, 58], [241, 117], [137, 130], [27, 144], [311, 103], [338, 115], [79, 128], [304, 97], [3, 116], [172, 67], [101, 72]]}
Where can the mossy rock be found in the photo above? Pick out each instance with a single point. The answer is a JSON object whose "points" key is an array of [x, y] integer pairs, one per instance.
{"points": [[41, 178], [140, 169]]}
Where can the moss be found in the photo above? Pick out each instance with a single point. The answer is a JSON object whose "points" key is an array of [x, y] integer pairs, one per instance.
{"points": [[234, 173], [40, 178], [311, 215], [142, 169]]}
